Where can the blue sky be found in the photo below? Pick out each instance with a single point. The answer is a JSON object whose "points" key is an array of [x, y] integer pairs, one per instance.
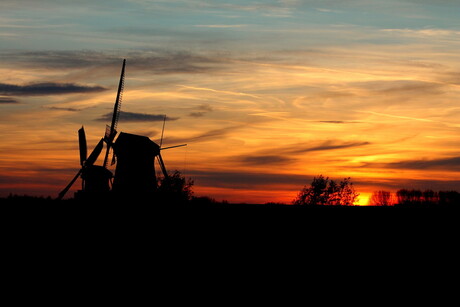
{"points": [[65, 25]]}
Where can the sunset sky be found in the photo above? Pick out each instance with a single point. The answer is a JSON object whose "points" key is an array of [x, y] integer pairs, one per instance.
{"points": [[267, 94]]}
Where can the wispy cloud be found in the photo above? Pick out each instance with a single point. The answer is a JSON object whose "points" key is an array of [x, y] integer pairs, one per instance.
{"points": [[49, 88], [337, 122], [205, 136], [65, 109], [324, 146], [219, 91], [197, 114], [245, 179], [221, 26], [201, 110], [158, 61], [439, 164], [424, 32], [137, 117], [398, 116], [8, 100], [257, 160], [403, 87], [290, 153]]}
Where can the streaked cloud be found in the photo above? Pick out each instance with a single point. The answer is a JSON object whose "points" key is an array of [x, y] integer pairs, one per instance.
{"points": [[219, 91], [399, 116], [48, 88], [453, 34], [220, 26], [265, 160], [137, 117], [447, 164], [206, 136], [246, 179], [403, 87], [201, 110], [197, 114], [8, 100], [154, 61], [337, 122], [324, 146], [64, 109]]}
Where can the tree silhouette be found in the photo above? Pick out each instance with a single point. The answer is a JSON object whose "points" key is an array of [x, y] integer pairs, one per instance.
{"points": [[427, 198], [381, 198], [175, 189], [324, 191], [449, 198]]}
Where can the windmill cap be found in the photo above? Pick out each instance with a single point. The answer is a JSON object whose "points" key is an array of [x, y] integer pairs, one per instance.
{"points": [[128, 144]]}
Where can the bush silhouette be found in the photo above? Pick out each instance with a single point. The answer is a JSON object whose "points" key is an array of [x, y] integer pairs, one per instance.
{"points": [[175, 189]]}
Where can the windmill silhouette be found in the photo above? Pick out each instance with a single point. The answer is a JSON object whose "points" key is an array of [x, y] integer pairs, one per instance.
{"points": [[133, 154]]}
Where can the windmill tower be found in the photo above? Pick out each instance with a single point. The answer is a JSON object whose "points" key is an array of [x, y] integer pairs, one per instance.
{"points": [[135, 170], [135, 174]]}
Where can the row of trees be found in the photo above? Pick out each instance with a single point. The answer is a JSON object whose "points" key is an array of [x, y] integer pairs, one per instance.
{"points": [[406, 197], [326, 192]]}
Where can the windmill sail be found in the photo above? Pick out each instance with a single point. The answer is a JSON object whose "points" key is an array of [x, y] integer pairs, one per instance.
{"points": [[67, 188], [83, 148], [116, 113], [162, 166]]}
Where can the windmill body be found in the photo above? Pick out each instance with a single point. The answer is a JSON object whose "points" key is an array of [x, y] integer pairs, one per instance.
{"points": [[135, 170], [96, 181]]}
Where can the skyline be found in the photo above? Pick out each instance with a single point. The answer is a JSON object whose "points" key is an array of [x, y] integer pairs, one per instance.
{"points": [[267, 94]]}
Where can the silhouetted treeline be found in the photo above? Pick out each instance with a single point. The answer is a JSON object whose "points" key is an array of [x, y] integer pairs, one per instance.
{"points": [[26, 199], [178, 199], [416, 198]]}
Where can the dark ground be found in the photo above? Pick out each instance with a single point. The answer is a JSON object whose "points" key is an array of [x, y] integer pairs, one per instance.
{"points": [[27, 222]]}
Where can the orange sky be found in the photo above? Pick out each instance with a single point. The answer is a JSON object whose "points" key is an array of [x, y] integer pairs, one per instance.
{"points": [[266, 94]]}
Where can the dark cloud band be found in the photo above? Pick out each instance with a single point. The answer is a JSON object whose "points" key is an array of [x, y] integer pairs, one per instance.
{"points": [[244, 180], [8, 100], [159, 61], [137, 117], [49, 88], [440, 164]]}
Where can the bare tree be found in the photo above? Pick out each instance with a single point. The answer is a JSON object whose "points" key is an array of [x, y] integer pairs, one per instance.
{"points": [[382, 198]]}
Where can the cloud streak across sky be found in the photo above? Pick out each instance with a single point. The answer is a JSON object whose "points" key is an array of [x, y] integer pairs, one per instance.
{"points": [[39, 89], [275, 89], [137, 117]]}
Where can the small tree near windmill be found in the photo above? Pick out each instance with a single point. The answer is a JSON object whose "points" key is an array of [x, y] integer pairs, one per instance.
{"points": [[175, 188]]}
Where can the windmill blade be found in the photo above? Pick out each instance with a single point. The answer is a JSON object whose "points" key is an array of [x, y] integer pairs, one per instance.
{"points": [[173, 146], [67, 188], [82, 145], [116, 112], [162, 166], [95, 154], [162, 131]]}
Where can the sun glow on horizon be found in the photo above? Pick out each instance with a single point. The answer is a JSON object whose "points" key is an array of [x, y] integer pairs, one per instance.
{"points": [[364, 199]]}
